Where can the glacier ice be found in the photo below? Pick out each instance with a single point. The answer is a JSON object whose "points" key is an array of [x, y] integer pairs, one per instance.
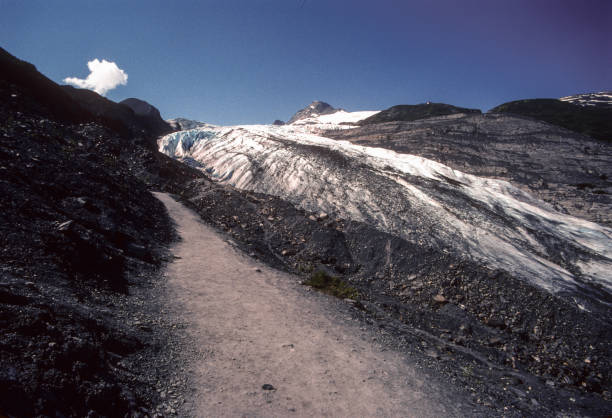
{"points": [[418, 199]]}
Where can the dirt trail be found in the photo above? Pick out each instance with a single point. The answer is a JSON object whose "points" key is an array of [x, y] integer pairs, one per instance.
{"points": [[257, 326]]}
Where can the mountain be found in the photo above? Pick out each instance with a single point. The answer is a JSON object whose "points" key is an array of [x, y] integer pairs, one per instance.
{"points": [[593, 121], [74, 105], [316, 108], [49, 96], [149, 116], [120, 116], [414, 112], [320, 114], [602, 99]]}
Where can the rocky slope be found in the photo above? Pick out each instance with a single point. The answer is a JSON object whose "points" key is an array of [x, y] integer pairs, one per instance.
{"points": [[82, 243], [75, 231], [45, 93]]}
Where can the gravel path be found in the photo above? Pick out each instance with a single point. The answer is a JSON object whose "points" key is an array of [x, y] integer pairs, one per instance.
{"points": [[256, 326]]}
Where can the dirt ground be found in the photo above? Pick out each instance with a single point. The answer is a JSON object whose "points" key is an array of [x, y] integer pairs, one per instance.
{"points": [[256, 326]]}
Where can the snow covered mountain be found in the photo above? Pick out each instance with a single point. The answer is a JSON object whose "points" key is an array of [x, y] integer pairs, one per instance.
{"points": [[314, 109], [601, 99], [321, 115], [336, 120], [420, 200]]}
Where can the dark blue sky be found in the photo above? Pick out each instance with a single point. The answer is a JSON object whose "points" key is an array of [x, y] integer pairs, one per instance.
{"points": [[253, 61]]}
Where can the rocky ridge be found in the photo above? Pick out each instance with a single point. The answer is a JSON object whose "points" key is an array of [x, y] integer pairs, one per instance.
{"points": [[120, 117]]}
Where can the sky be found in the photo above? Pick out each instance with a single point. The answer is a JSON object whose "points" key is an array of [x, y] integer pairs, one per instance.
{"points": [[254, 61]]}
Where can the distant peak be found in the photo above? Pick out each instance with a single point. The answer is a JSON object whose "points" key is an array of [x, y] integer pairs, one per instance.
{"points": [[316, 108]]}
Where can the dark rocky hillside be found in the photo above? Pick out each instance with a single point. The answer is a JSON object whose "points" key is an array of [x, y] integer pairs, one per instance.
{"points": [[414, 112], [116, 117], [77, 228], [45, 94], [593, 121], [120, 117], [72, 105], [141, 108], [82, 242]]}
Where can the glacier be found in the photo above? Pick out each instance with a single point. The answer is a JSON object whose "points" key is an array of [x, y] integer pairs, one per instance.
{"points": [[420, 200]]}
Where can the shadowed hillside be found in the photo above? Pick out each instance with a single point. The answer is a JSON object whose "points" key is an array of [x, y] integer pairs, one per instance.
{"points": [[595, 122], [413, 112]]}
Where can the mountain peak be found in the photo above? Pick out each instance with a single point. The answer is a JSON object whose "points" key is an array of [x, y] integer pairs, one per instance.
{"points": [[316, 108]]}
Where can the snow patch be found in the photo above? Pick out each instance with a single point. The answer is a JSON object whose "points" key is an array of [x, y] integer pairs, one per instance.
{"points": [[336, 118]]}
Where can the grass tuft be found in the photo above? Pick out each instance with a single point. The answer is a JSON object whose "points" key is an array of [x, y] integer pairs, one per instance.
{"points": [[332, 286]]}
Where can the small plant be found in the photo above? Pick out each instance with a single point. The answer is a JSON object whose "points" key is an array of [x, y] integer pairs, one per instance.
{"points": [[305, 268], [331, 285], [468, 370]]}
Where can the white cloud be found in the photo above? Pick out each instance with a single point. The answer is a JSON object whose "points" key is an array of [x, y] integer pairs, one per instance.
{"points": [[104, 76]]}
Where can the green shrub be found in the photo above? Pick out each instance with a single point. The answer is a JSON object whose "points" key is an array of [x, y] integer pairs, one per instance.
{"points": [[332, 286]]}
